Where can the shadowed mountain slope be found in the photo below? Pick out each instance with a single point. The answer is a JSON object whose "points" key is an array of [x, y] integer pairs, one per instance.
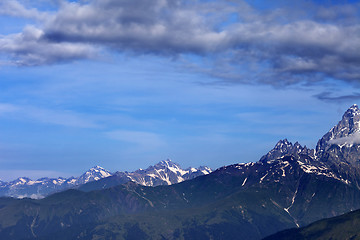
{"points": [[346, 226]]}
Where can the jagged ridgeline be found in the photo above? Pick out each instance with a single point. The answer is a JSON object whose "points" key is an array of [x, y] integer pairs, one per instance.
{"points": [[289, 187]]}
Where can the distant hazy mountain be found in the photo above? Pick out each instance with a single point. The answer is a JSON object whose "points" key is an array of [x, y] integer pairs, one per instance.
{"points": [[291, 186], [25, 187], [163, 173]]}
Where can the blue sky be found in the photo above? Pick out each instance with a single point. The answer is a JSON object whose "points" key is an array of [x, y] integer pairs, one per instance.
{"points": [[126, 84]]}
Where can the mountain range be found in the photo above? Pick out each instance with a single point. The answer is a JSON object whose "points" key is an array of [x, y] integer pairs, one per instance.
{"points": [[164, 173], [289, 187]]}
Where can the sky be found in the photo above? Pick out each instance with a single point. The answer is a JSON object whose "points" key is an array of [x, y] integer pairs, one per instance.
{"points": [[125, 84]]}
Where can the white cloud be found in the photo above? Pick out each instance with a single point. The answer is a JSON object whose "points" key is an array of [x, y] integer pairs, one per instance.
{"points": [[349, 140], [47, 116], [59, 117], [16, 9]]}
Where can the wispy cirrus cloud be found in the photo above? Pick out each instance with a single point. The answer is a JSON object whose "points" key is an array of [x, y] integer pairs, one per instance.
{"points": [[47, 116], [143, 139], [241, 44], [7, 108], [61, 117]]}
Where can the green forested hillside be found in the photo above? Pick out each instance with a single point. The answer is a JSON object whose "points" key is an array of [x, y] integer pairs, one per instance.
{"points": [[343, 227]]}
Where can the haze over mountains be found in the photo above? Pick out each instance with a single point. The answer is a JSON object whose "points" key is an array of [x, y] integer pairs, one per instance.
{"points": [[289, 187], [164, 173]]}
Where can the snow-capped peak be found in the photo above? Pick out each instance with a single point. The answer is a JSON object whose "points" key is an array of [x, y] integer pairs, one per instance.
{"points": [[21, 181], [167, 163], [354, 110], [165, 172], [93, 174], [96, 168], [346, 132]]}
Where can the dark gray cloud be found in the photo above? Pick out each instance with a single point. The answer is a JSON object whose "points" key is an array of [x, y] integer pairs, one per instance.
{"points": [[30, 48], [240, 43], [328, 96], [159, 26]]}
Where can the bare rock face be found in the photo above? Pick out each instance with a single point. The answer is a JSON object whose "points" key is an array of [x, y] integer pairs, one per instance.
{"points": [[286, 148]]}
